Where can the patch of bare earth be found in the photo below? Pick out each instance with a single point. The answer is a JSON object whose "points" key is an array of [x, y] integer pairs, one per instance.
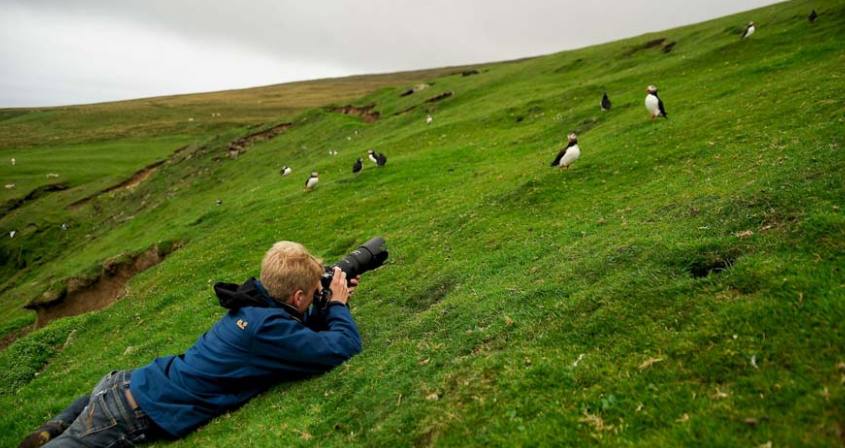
{"points": [[43, 190], [133, 181], [433, 99], [81, 295], [366, 113], [242, 144]]}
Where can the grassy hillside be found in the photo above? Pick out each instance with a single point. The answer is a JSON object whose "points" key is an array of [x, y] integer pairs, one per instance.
{"points": [[681, 285]]}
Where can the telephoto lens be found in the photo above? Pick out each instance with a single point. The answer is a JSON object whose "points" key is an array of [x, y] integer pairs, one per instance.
{"points": [[366, 257]]}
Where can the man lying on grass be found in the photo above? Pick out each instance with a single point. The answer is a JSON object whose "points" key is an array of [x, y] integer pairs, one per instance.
{"points": [[266, 338]]}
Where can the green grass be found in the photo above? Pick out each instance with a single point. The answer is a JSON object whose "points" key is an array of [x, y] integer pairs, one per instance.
{"points": [[680, 286]]}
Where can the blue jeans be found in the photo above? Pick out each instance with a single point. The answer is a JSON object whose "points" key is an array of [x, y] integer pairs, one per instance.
{"points": [[105, 418]]}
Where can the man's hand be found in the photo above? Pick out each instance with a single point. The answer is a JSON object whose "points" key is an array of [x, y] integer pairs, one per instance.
{"points": [[340, 292]]}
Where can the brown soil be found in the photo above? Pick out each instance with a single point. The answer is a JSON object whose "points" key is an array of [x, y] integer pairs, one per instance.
{"points": [[81, 295], [13, 336], [43, 190], [240, 146], [366, 113], [654, 43], [440, 97], [433, 99]]}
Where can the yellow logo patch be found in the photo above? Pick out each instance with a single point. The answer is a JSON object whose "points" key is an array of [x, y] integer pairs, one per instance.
{"points": [[242, 324]]}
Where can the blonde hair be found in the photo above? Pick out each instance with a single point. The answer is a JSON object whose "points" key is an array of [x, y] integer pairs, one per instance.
{"points": [[287, 267]]}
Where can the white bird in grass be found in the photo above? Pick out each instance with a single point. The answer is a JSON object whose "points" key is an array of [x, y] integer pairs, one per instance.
{"points": [[654, 104], [428, 119], [372, 155], [286, 170], [13, 161], [12, 233], [568, 155], [749, 30], [312, 180]]}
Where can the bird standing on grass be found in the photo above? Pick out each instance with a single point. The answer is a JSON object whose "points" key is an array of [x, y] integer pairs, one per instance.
{"points": [[749, 30], [428, 119], [312, 180], [654, 104], [605, 103], [371, 154], [285, 170], [568, 155], [813, 16], [13, 161], [358, 166], [381, 159]]}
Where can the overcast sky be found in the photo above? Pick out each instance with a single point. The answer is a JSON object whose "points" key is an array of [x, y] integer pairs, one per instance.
{"points": [[55, 52]]}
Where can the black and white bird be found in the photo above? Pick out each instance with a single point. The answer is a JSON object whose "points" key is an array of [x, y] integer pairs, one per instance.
{"points": [[219, 202], [12, 233], [654, 104], [568, 155], [381, 159], [286, 170], [428, 119], [64, 226], [371, 154], [749, 30], [312, 180], [358, 166], [605, 103], [813, 16]]}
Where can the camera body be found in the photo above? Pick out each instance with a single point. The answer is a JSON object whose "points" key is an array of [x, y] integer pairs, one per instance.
{"points": [[366, 257]]}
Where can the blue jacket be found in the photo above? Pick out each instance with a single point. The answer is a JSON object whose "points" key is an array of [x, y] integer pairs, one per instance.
{"points": [[249, 350]]}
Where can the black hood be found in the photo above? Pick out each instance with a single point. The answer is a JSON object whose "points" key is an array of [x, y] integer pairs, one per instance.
{"points": [[250, 293]]}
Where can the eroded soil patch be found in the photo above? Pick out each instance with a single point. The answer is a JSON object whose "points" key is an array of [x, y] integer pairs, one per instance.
{"points": [[37, 193], [242, 144], [80, 295], [661, 43], [433, 99], [366, 113]]}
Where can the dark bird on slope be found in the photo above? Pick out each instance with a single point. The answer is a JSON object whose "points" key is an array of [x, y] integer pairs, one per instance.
{"points": [[381, 159], [654, 104], [357, 166], [568, 155], [749, 30], [605, 103], [312, 180], [813, 16]]}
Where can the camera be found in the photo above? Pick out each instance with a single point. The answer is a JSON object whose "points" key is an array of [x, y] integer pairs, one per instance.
{"points": [[366, 257]]}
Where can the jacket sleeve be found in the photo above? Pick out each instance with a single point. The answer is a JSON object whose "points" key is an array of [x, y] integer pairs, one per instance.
{"points": [[287, 346]]}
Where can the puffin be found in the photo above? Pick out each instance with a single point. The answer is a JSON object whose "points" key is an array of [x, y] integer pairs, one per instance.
{"points": [[12, 233], [605, 103], [372, 155], [357, 166], [312, 180], [15, 161], [428, 119], [654, 104], [749, 30], [219, 202], [813, 16], [568, 155], [285, 170], [381, 159], [64, 226]]}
